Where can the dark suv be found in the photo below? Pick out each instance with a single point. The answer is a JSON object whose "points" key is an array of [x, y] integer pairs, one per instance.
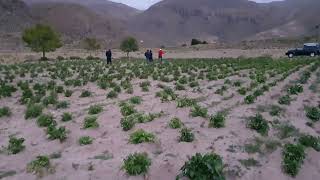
{"points": [[309, 49]]}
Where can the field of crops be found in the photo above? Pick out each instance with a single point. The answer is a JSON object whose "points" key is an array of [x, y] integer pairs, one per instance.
{"points": [[192, 119]]}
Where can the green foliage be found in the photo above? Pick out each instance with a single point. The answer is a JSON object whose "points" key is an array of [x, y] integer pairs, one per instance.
{"points": [[286, 130], [51, 99], [293, 157], [242, 91], [41, 38], [90, 122], [15, 145], [201, 167], [5, 111], [56, 133], [295, 89], [127, 109], [141, 136], [249, 99], [45, 120], [112, 94], [85, 140], [127, 123], [167, 95], [33, 111], [95, 109], [136, 100], [185, 102], [217, 121], [259, 124], [91, 44], [85, 94], [313, 113], [198, 111], [285, 100], [175, 123], [275, 110], [68, 93], [39, 165], [249, 162], [128, 45], [186, 135], [136, 164], [310, 141], [66, 117], [62, 105]]}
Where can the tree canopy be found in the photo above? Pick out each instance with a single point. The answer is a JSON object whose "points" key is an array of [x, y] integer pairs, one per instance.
{"points": [[129, 44], [41, 38], [91, 44]]}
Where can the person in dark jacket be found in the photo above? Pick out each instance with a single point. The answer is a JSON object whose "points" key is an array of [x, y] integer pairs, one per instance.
{"points": [[150, 56], [109, 56], [147, 55]]}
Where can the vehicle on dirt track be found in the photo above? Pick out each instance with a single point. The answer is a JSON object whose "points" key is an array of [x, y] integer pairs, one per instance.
{"points": [[309, 49]]}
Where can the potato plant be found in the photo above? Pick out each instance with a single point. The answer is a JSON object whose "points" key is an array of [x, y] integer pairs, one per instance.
{"points": [[136, 164]]}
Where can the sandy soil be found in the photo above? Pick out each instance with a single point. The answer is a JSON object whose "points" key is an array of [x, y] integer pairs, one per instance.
{"points": [[12, 57], [168, 155]]}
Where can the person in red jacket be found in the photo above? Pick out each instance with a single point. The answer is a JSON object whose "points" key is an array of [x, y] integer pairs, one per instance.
{"points": [[161, 53]]}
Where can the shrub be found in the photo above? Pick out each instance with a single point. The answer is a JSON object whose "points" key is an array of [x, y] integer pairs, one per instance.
{"points": [[68, 93], [310, 141], [217, 121], [136, 100], [62, 105], [51, 99], [85, 140], [90, 122], [112, 94], [185, 102], [198, 111], [59, 89], [275, 110], [38, 166], [5, 111], [127, 123], [242, 91], [186, 135], [249, 99], [45, 120], [85, 94], [95, 109], [201, 167], [33, 111], [293, 157], [66, 117], [295, 89], [167, 94], [313, 113], [137, 163], [259, 124], [127, 109], [286, 100], [15, 145], [56, 133], [141, 136], [175, 123]]}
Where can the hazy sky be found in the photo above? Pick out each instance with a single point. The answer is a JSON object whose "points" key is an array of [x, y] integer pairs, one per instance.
{"points": [[144, 4]]}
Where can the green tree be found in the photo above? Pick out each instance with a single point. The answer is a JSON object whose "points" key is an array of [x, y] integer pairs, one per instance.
{"points": [[129, 44], [41, 38], [91, 44]]}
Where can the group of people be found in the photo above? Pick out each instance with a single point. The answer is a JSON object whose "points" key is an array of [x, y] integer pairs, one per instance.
{"points": [[148, 54]]}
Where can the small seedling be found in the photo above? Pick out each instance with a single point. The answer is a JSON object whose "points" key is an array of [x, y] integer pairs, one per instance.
{"points": [[198, 111], [217, 121], [5, 111], [57, 133], [90, 122], [95, 109], [175, 123], [66, 117], [46, 120], [15, 145], [259, 124], [141, 136], [136, 164], [33, 111], [136, 100], [85, 94], [85, 140], [186, 135], [39, 166]]}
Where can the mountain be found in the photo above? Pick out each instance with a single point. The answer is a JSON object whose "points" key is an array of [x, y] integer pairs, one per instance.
{"points": [[102, 7], [177, 21]]}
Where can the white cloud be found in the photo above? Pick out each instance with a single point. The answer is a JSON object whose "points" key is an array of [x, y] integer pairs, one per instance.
{"points": [[145, 4]]}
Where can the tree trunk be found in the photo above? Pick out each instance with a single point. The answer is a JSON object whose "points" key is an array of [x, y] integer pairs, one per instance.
{"points": [[43, 54]]}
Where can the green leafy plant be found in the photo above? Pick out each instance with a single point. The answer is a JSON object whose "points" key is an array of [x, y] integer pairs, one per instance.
{"points": [[39, 166], [313, 113], [186, 135], [295, 89], [45, 120], [275, 110], [112, 94], [259, 124], [85, 94], [5, 111], [66, 117], [198, 111], [68, 93], [175, 123], [16, 145], [33, 111], [85, 140], [166, 95], [286, 130], [293, 157], [136, 164], [141, 136], [136, 100], [127, 109], [310, 141], [90, 122], [95, 109], [62, 105], [185, 102], [242, 91], [56, 133], [127, 123], [285, 100], [249, 99], [217, 121], [200, 167]]}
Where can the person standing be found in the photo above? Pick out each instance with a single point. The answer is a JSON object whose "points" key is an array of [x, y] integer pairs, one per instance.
{"points": [[109, 56], [161, 53], [147, 55], [150, 56]]}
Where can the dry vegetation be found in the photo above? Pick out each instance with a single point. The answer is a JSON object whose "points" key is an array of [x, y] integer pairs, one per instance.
{"points": [[252, 118]]}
